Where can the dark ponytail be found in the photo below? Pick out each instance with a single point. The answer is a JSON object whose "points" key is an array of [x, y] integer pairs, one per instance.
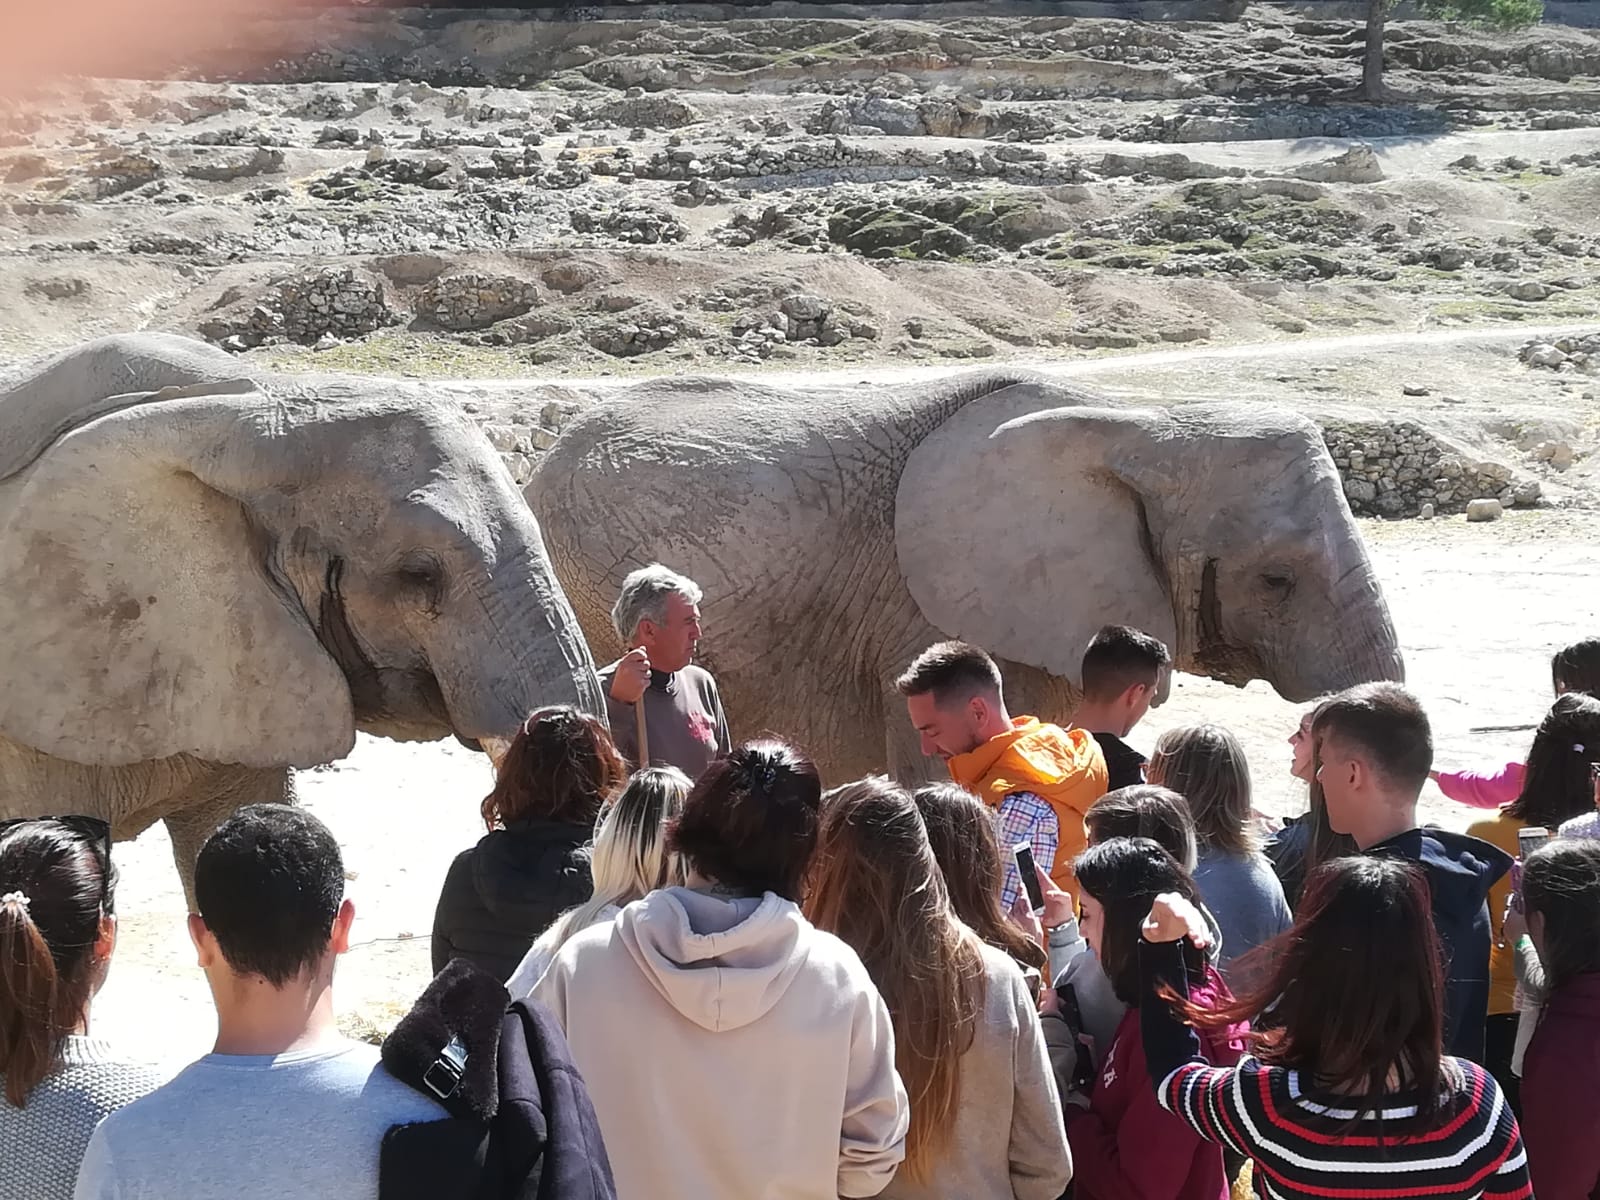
{"points": [[52, 884]]}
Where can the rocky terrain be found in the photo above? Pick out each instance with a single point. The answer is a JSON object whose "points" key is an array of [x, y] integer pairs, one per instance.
{"points": [[478, 194]]}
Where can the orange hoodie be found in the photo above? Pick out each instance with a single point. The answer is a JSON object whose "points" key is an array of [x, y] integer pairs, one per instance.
{"points": [[1063, 767]]}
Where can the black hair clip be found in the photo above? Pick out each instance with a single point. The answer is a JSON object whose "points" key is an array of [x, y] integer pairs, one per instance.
{"points": [[763, 775]]}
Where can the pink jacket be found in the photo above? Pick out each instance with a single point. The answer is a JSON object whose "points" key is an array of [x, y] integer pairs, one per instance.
{"points": [[1482, 789]]}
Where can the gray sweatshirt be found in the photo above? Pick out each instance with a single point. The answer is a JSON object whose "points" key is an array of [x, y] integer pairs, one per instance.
{"points": [[1009, 1139], [1245, 897], [42, 1143], [683, 720]]}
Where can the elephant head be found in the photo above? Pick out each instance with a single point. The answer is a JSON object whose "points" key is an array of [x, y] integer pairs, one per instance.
{"points": [[245, 573], [1036, 514]]}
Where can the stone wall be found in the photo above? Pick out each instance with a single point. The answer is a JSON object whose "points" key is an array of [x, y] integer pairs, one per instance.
{"points": [[1400, 469]]}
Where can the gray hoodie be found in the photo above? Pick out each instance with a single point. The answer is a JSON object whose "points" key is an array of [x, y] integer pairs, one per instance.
{"points": [[732, 1050]]}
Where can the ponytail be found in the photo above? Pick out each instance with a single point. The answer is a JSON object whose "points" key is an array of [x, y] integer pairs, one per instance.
{"points": [[55, 888], [29, 994]]}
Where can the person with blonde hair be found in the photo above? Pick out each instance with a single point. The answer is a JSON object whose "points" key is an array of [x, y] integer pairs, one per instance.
{"points": [[1206, 766], [629, 860], [985, 1116]]}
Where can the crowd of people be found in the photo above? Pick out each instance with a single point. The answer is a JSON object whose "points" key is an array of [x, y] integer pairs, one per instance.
{"points": [[774, 988]]}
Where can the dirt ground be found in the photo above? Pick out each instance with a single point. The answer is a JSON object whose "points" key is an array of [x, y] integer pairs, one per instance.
{"points": [[1479, 608]]}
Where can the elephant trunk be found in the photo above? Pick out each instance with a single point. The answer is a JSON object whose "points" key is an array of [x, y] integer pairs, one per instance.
{"points": [[1361, 646], [537, 658]]}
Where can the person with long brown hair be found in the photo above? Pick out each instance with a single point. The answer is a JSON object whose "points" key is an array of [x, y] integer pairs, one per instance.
{"points": [[1349, 1093], [532, 866], [1557, 785], [1561, 1073], [961, 833], [985, 1117], [58, 928], [1206, 766]]}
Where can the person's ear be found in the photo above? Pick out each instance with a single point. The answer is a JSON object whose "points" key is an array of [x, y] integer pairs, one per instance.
{"points": [[978, 710], [205, 945], [105, 942], [1359, 774], [339, 939]]}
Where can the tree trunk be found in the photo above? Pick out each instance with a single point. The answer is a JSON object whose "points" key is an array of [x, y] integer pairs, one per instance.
{"points": [[1372, 69]]}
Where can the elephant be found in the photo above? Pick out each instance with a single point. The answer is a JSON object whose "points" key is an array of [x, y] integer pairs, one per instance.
{"points": [[839, 532], [210, 576]]}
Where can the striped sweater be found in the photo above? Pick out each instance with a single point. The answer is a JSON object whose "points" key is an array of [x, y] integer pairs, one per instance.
{"points": [[1303, 1142]]}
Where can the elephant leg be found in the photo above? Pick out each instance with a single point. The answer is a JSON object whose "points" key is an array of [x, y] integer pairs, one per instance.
{"points": [[210, 801]]}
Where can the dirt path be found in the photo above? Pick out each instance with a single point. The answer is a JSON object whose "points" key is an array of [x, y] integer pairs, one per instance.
{"points": [[1347, 347], [1479, 609]]}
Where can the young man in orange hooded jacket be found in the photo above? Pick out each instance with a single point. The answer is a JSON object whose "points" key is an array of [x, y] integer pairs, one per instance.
{"points": [[1039, 779]]}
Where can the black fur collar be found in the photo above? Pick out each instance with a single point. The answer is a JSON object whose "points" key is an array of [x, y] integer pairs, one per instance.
{"points": [[462, 1001]]}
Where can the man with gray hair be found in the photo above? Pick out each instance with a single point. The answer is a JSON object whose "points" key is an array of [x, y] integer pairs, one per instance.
{"points": [[657, 616]]}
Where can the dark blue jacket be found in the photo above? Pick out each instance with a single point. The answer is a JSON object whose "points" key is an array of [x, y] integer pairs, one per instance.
{"points": [[1460, 871], [521, 1125]]}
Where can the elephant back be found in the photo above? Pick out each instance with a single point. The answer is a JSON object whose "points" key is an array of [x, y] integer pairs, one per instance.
{"points": [[48, 398]]}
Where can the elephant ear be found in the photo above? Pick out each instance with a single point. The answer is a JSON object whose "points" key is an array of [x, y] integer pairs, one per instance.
{"points": [[1024, 531], [138, 618]]}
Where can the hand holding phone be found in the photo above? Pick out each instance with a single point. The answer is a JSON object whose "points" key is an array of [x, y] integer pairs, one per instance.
{"points": [[1530, 840], [1022, 852]]}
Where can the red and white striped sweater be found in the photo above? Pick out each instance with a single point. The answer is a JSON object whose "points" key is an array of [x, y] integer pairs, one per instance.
{"points": [[1310, 1146]]}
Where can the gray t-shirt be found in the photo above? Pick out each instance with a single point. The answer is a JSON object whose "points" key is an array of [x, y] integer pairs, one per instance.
{"points": [[683, 720], [239, 1127], [1245, 897]]}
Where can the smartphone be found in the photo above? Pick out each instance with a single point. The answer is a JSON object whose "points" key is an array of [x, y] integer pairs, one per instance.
{"points": [[1530, 839], [1023, 853]]}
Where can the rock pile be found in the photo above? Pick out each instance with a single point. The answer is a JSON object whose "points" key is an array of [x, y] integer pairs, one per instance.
{"points": [[1397, 469], [474, 300], [335, 302], [640, 330], [1579, 353], [638, 223]]}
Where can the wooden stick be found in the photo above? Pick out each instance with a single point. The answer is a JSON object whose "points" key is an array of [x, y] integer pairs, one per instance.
{"points": [[1503, 729], [643, 732]]}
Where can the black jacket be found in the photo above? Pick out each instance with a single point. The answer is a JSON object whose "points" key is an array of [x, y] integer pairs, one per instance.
{"points": [[507, 890], [1460, 871], [521, 1125], [1124, 764]]}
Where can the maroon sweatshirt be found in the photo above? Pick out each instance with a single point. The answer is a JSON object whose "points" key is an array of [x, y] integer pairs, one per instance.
{"points": [[1125, 1146], [1561, 1095]]}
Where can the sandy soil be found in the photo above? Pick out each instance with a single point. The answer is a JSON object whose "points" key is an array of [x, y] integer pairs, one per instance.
{"points": [[1479, 608]]}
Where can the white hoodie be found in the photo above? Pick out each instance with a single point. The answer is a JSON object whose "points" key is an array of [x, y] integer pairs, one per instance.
{"points": [[732, 1051]]}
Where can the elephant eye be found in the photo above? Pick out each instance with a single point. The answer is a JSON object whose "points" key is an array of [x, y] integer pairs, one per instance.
{"points": [[421, 575], [1277, 581]]}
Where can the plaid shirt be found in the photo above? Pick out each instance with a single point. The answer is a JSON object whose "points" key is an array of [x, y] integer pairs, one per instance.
{"points": [[1024, 817]]}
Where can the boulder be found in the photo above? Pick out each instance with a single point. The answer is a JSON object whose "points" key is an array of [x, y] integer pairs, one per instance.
{"points": [[1356, 165], [1484, 510]]}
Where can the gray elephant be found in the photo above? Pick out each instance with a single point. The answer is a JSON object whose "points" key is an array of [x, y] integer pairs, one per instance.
{"points": [[838, 533], [209, 577]]}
